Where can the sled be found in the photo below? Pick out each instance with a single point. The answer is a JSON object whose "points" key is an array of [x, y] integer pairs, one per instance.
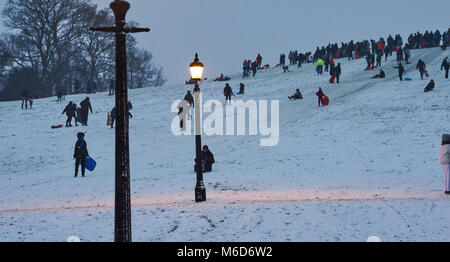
{"points": [[109, 120], [111, 94], [408, 79], [357, 55], [90, 164], [426, 74], [332, 79], [326, 101], [57, 127]]}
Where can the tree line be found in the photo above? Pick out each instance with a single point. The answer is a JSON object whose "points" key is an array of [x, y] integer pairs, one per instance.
{"points": [[49, 47]]}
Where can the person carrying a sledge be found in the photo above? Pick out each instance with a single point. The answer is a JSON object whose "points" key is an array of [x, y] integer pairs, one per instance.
{"points": [[80, 154], [320, 95]]}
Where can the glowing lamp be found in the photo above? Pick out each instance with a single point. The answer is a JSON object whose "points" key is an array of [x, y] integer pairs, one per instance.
{"points": [[196, 69]]}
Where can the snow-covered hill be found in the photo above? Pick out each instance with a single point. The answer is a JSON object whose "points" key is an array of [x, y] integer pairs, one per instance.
{"points": [[367, 164]]}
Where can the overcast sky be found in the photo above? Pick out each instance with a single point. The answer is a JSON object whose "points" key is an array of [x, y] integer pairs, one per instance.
{"points": [[225, 32]]}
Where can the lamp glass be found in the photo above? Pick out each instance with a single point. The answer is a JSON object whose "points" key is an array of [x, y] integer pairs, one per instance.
{"points": [[196, 72]]}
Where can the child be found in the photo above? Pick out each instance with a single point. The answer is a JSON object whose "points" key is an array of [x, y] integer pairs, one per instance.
{"points": [[80, 154], [445, 161]]}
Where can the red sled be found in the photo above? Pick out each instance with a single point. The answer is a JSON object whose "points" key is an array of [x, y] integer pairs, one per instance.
{"points": [[56, 127], [111, 94], [332, 79], [357, 55], [326, 101]]}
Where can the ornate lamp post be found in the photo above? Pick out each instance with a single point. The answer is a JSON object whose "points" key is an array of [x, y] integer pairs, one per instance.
{"points": [[122, 230], [196, 70]]}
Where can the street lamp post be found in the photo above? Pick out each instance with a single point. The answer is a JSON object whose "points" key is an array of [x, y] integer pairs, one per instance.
{"points": [[122, 229], [196, 69]]}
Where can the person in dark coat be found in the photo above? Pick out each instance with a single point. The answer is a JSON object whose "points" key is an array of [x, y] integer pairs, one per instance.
{"points": [[259, 59], [241, 89], [25, 96], [227, 92], [401, 71], [254, 68], [445, 65], [113, 113], [297, 95], [70, 112], [207, 159], [80, 154], [337, 72], [430, 86], [112, 87], [421, 66], [380, 75], [85, 107], [188, 97]]}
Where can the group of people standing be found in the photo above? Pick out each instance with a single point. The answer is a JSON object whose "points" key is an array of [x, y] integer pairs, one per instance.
{"points": [[248, 66]]}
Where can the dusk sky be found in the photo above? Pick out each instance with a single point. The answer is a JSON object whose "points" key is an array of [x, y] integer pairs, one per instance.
{"points": [[225, 32]]}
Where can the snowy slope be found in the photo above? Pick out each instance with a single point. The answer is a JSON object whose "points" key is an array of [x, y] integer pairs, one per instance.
{"points": [[376, 146]]}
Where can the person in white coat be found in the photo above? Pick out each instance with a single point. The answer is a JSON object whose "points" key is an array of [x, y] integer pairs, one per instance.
{"points": [[445, 161]]}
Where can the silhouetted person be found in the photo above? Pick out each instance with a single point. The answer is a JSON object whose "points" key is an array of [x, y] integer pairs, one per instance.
{"points": [[80, 154]]}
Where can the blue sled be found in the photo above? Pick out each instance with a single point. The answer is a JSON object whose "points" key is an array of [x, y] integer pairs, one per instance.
{"points": [[90, 164]]}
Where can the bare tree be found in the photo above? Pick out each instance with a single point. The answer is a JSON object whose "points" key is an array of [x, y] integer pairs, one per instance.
{"points": [[44, 34]]}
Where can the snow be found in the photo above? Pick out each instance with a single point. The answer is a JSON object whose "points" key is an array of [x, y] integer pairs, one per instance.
{"points": [[367, 165]]}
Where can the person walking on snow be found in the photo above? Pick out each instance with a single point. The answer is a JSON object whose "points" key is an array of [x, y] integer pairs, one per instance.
{"points": [[319, 66], [337, 72], [85, 107], [80, 154], [227, 92], [421, 66], [445, 161], [70, 112], [445, 65], [113, 113], [401, 71]]}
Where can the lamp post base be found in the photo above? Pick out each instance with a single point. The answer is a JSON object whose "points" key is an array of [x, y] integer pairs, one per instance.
{"points": [[200, 192]]}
